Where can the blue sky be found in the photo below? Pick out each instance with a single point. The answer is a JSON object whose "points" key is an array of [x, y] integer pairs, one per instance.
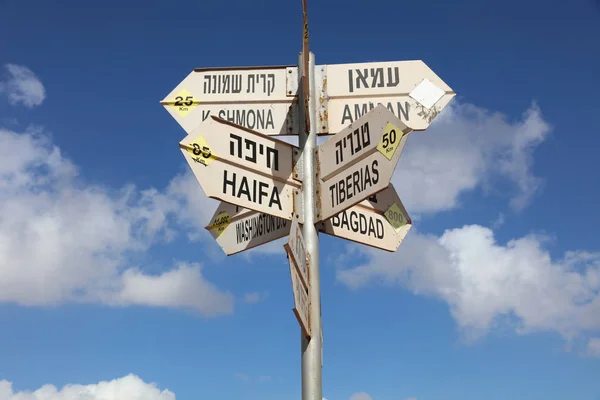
{"points": [[107, 278]]}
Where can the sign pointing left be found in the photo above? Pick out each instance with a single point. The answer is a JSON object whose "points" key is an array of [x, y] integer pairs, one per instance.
{"points": [[236, 229], [242, 167], [260, 98]]}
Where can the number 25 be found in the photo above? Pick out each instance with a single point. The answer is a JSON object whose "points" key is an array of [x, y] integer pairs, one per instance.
{"points": [[188, 101]]}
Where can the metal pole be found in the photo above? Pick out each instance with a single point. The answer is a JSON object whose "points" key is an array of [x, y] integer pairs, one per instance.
{"points": [[312, 381]]}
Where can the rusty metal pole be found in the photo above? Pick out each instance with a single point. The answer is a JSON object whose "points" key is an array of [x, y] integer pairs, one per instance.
{"points": [[311, 348]]}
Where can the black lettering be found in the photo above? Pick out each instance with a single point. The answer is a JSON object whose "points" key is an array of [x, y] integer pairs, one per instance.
{"points": [[361, 78], [333, 193], [354, 223], [335, 220], [236, 84], [250, 114], [377, 75], [275, 198], [362, 223], [346, 115], [393, 82], [262, 191], [349, 187], [379, 229], [367, 177], [356, 178], [371, 227], [244, 189], [341, 192], [250, 145], [345, 222], [403, 111], [227, 182], [374, 167], [233, 137]]}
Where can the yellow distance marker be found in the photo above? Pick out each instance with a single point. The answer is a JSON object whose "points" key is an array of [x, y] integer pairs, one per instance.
{"points": [[389, 140], [220, 223], [395, 217], [184, 102], [200, 151]]}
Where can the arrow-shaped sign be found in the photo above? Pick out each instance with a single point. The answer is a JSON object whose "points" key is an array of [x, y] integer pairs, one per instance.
{"points": [[299, 262], [409, 89], [359, 161], [380, 221], [237, 229], [260, 98], [242, 167]]}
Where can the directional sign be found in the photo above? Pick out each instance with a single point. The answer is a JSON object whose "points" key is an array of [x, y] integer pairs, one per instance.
{"points": [[301, 299], [409, 89], [359, 161], [298, 251], [237, 229], [380, 221], [260, 98], [242, 167]]}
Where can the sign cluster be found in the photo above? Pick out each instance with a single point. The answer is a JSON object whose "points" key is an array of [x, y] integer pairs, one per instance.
{"points": [[231, 116]]}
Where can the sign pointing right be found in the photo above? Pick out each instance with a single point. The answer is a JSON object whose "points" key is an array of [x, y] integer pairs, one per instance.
{"points": [[359, 161], [381, 221]]}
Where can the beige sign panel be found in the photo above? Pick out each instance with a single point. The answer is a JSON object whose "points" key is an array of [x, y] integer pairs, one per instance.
{"points": [[409, 89], [301, 298], [236, 229], [263, 99], [298, 251], [359, 161], [242, 167], [381, 221], [377, 129]]}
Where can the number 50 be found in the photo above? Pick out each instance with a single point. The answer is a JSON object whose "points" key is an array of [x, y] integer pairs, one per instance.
{"points": [[389, 140]]}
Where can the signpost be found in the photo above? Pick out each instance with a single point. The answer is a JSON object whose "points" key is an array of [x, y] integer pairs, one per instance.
{"points": [[409, 89], [269, 188], [236, 229], [260, 98], [359, 161], [299, 267], [242, 167], [380, 221]]}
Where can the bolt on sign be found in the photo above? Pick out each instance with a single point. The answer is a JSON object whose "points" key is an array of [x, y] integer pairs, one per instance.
{"points": [[263, 99], [299, 261], [409, 89], [242, 167], [380, 221], [359, 161], [236, 229]]}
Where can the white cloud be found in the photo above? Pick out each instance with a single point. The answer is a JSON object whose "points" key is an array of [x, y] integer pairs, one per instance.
{"points": [[361, 396], [483, 281], [464, 148], [253, 297], [62, 240], [129, 387], [22, 86], [593, 347]]}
